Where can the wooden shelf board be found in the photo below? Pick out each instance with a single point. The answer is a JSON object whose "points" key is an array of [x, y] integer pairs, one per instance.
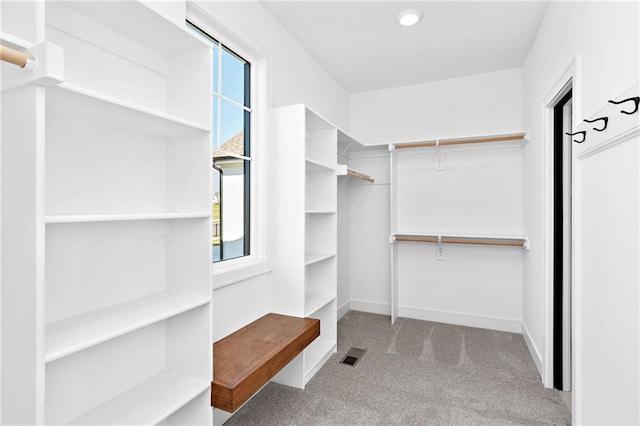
{"points": [[71, 335], [517, 241], [69, 100], [316, 166], [311, 257], [247, 359], [83, 218], [148, 403], [316, 301]]}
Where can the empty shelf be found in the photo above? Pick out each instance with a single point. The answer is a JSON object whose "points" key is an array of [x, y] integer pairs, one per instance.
{"points": [[83, 218], [73, 101], [316, 256], [316, 301], [147, 403], [316, 166], [74, 334]]}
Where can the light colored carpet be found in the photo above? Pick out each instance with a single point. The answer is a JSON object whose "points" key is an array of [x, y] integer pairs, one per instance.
{"points": [[415, 373]]}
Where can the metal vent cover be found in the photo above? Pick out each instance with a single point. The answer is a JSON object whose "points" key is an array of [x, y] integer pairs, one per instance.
{"points": [[353, 356]]}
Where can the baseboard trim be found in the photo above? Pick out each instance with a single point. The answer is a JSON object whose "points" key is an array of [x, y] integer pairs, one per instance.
{"points": [[533, 350], [342, 310], [371, 307], [459, 318], [447, 317]]}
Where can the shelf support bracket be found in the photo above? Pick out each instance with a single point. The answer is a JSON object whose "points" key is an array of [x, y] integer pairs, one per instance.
{"points": [[47, 71], [440, 249], [439, 159]]}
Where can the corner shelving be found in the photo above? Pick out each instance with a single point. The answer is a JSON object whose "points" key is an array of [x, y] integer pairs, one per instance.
{"points": [[305, 281]]}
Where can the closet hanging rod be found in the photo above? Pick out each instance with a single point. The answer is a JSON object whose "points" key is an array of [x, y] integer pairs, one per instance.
{"points": [[513, 242], [459, 141], [358, 175], [21, 59]]}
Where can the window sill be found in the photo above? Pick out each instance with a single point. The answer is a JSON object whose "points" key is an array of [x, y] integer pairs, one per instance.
{"points": [[223, 277]]}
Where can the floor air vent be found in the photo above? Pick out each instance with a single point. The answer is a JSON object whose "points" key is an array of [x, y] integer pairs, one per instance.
{"points": [[353, 356]]}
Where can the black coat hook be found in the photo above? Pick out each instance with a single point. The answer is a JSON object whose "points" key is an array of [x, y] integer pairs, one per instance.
{"points": [[583, 133], [606, 122], [636, 101]]}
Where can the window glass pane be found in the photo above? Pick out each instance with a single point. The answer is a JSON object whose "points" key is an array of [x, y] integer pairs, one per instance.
{"points": [[232, 129], [233, 208], [234, 73], [215, 217]]}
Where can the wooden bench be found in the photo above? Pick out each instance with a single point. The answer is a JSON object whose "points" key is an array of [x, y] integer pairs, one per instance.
{"points": [[246, 360]]}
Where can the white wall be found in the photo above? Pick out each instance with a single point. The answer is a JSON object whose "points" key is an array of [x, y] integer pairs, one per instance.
{"points": [[295, 76], [473, 105], [368, 232], [605, 37], [442, 291]]}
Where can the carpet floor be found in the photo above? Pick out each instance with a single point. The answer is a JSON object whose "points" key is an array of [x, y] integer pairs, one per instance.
{"points": [[415, 373]]}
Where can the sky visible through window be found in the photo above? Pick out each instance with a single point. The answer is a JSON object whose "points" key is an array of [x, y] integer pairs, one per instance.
{"points": [[232, 88]]}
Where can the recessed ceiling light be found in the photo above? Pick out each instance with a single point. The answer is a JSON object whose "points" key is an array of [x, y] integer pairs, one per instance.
{"points": [[409, 17]]}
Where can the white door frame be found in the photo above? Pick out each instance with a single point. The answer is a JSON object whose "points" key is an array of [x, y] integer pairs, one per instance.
{"points": [[570, 79]]}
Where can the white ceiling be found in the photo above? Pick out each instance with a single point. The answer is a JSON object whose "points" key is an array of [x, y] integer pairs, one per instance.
{"points": [[363, 47]]}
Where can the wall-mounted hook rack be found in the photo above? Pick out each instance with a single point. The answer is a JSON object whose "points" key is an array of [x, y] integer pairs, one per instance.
{"points": [[604, 119], [582, 132], [636, 101]]}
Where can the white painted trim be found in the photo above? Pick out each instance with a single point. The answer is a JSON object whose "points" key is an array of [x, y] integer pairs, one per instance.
{"points": [[570, 78], [234, 276], [510, 325], [221, 29], [371, 307], [342, 310], [610, 143], [533, 350]]}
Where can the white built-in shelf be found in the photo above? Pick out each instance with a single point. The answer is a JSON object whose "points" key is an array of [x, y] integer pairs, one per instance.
{"points": [[73, 101], [344, 170], [316, 166], [13, 41], [312, 257], [316, 301], [74, 334], [319, 211], [316, 352], [83, 218], [148, 403], [135, 20]]}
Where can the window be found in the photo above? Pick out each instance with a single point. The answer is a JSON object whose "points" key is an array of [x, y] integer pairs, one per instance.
{"points": [[231, 158]]}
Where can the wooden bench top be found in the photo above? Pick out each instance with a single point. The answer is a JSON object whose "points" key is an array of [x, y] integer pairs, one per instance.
{"points": [[247, 359]]}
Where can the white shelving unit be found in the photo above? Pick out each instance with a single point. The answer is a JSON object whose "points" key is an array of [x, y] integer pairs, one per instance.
{"points": [[119, 306], [305, 246]]}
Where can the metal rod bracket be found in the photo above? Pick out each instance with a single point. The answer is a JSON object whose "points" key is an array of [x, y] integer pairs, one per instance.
{"points": [[440, 249]]}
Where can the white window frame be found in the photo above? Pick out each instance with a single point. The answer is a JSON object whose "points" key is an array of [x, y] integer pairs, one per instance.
{"points": [[231, 271]]}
